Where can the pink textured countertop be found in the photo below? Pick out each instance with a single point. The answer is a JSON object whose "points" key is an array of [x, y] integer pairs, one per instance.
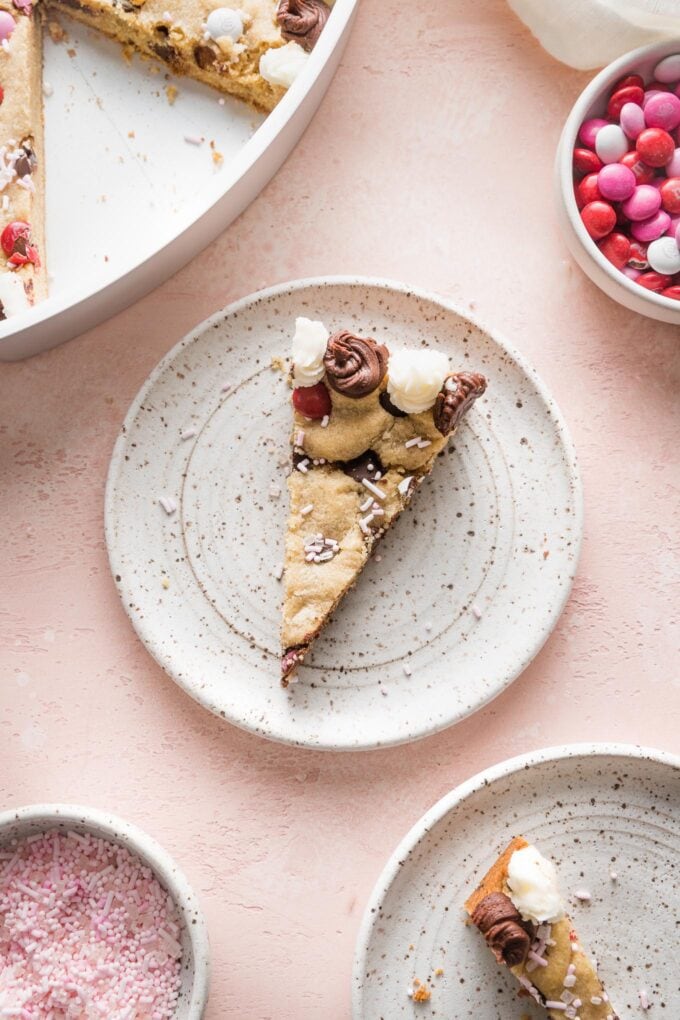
{"points": [[430, 161]]}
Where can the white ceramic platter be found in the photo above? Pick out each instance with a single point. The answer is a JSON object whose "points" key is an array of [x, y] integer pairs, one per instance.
{"points": [[129, 201], [496, 529], [593, 809]]}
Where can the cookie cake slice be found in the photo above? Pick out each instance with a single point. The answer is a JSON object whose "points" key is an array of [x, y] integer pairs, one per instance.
{"points": [[520, 912], [368, 425]]}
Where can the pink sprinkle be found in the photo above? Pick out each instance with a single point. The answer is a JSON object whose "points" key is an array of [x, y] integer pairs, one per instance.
{"points": [[583, 895], [540, 960], [554, 1004], [194, 139], [644, 1000], [476, 612], [78, 945]]}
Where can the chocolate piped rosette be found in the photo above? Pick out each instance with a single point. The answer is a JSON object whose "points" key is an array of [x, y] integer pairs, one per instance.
{"points": [[520, 911], [368, 425]]}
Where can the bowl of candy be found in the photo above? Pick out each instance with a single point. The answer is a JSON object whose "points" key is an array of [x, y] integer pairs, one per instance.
{"points": [[618, 180], [96, 920]]}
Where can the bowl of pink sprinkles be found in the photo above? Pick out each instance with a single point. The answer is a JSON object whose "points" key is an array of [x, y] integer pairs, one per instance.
{"points": [[96, 921]]}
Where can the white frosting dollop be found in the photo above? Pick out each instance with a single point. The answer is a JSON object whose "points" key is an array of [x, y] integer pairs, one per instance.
{"points": [[224, 21], [415, 378], [12, 294], [309, 347], [532, 881], [281, 65]]}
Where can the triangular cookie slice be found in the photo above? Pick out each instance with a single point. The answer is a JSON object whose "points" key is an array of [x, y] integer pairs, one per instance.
{"points": [[520, 911], [368, 425]]}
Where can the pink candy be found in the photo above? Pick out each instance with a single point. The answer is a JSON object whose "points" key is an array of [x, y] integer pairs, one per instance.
{"points": [[673, 168], [663, 111], [644, 202], [649, 230], [589, 129], [86, 926], [7, 25], [632, 120], [617, 182]]}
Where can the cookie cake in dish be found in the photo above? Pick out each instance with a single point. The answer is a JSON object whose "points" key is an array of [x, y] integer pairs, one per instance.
{"points": [[520, 911], [368, 424], [253, 50]]}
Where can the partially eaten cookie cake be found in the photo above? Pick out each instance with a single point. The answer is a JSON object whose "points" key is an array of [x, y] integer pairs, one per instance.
{"points": [[368, 425], [254, 50], [520, 911]]}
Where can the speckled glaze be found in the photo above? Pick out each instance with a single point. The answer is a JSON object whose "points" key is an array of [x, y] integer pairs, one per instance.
{"points": [[26, 821], [496, 528], [593, 809]]}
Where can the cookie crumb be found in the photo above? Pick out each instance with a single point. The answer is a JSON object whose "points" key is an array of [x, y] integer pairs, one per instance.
{"points": [[165, 582], [439, 972], [171, 91], [421, 993], [56, 32]]}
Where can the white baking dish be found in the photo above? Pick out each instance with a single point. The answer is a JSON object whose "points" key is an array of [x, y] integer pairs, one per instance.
{"points": [[129, 201]]}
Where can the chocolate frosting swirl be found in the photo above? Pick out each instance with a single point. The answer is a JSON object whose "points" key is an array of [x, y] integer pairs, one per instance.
{"points": [[355, 365], [507, 935], [302, 21], [456, 397]]}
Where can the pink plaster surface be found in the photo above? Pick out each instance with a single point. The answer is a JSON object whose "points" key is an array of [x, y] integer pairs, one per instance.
{"points": [[430, 161]]}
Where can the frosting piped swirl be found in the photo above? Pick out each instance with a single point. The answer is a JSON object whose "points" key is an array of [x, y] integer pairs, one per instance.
{"points": [[507, 935], [456, 397], [355, 365], [302, 21]]}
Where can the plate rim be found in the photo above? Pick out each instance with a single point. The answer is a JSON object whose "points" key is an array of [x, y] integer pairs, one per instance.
{"points": [[456, 797], [393, 286]]}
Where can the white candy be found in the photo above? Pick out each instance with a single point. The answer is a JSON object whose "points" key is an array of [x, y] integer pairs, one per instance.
{"points": [[668, 69], [663, 256], [611, 143], [224, 21]]}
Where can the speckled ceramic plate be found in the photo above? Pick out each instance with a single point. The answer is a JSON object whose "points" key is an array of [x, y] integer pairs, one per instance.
{"points": [[469, 583], [593, 809]]}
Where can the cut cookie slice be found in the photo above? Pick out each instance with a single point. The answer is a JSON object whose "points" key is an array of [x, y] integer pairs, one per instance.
{"points": [[520, 911], [368, 425], [253, 50], [23, 279]]}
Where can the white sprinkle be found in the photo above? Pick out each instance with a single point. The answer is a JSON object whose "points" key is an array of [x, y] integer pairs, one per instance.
{"points": [[405, 484], [328, 555], [377, 476], [364, 522], [569, 981], [613, 875], [407, 670], [409, 992], [554, 1004], [575, 947], [221, 102], [377, 557], [365, 505], [188, 434], [644, 999], [226, 388], [370, 467], [278, 571], [476, 612], [595, 1000], [274, 491], [324, 421], [299, 437], [423, 443], [577, 1003], [47, 89], [373, 488], [168, 504], [412, 442], [583, 895], [194, 139], [428, 626], [571, 969], [307, 509], [302, 466], [377, 511]]}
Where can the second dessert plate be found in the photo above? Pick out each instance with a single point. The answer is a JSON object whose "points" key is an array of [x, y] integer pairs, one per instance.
{"points": [[607, 815], [467, 585]]}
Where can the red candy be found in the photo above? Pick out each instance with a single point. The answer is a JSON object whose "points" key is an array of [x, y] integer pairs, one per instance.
{"points": [[2, 94], [654, 281], [628, 94], [670, 195], [587, 191], [672, 292], [655, 146], [16, 243], [586, 162], [616, 248], [630, 79], [638, 255], [644, 174], [312, 401], [599, 219]]}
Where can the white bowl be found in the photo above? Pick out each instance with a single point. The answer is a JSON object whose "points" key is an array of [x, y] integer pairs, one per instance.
{"points": [[36, 818], [592, 103]]}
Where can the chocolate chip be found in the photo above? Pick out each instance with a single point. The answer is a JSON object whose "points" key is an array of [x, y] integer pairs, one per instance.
{"points": [[388, 406], [2, 312], [26, 164], [204, 56], [166, 52], [366, 465]]}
